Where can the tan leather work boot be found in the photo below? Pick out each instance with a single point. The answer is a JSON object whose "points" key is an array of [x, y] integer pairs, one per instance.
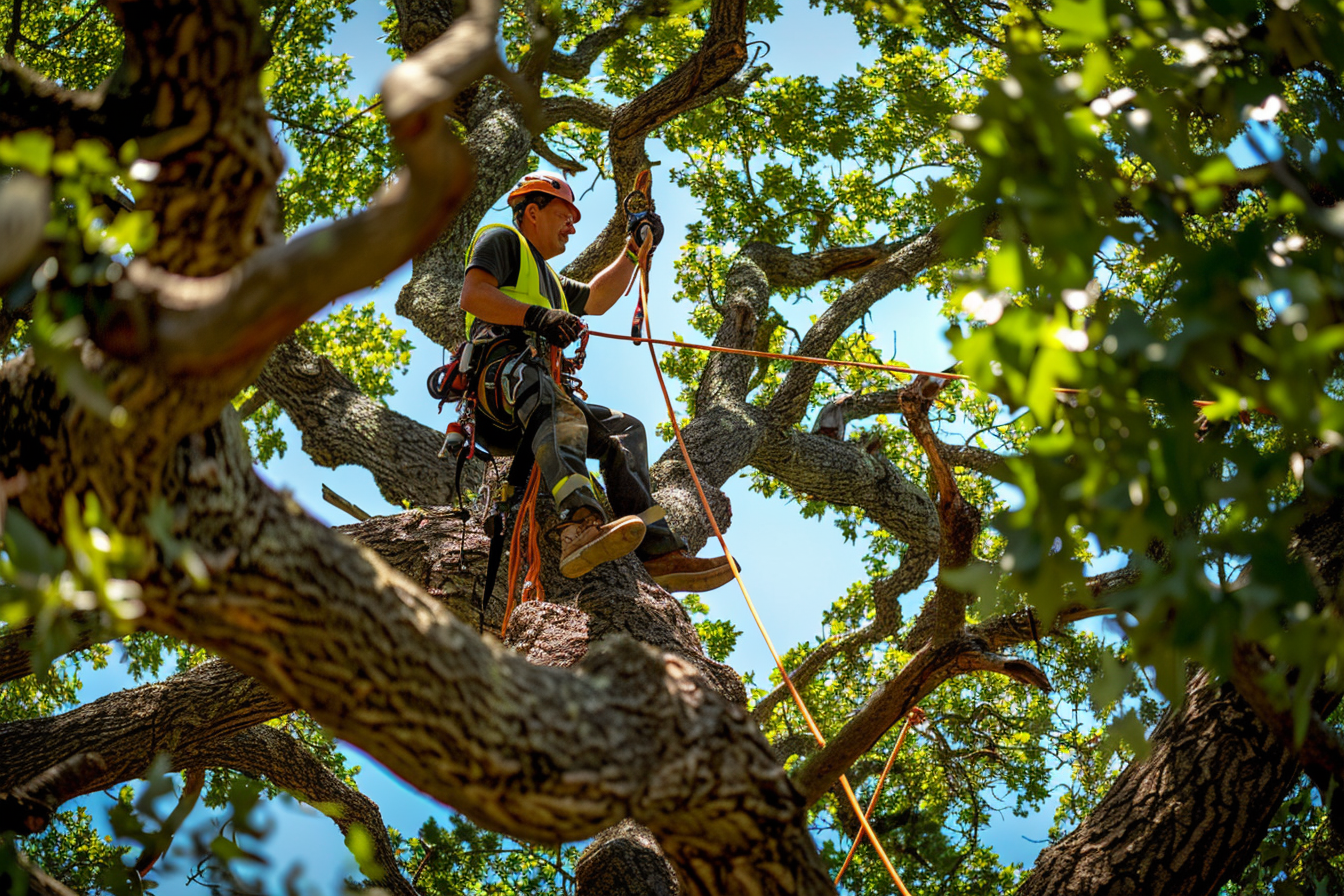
{"points": [[587, 542], [679, 571]]}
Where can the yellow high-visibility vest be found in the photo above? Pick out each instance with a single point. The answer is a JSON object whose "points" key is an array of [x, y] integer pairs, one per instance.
{"points": [[528, 288]]}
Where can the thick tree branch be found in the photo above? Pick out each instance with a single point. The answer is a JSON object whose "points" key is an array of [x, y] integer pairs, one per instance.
{"points": [[721, 54], [1321, 751], [258, 401], [555, 109], [973, 457], [797, 270], [944, 614], [38, 883], [841, 473], [499, 141], [28, 807], [542, 19], [264, 752], [930, 666], [29, 101], [1154, 824], [207, 325], [727, 378], [178, 716], [66, 633], [574, 66], [641, 735], [341, 426], [790, 402]]}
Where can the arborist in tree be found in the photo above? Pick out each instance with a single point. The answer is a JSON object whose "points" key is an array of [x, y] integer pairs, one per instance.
{"points": [[517, 307]]}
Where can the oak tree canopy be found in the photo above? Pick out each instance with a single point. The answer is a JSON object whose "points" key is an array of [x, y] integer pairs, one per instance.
{"points": [[1127, 212]]}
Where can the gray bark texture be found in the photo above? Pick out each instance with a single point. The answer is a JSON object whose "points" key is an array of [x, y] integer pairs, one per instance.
{"points": [[1186, 818]]}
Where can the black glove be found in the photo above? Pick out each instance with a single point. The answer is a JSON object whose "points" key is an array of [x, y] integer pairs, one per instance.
{"points": [[557, 327], [636, 224]]}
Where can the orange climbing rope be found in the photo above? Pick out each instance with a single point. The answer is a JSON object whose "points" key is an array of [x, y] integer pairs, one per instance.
{"points": [[862, 365], [915, 716], [827, 362], [527, 513], [643, 273]]}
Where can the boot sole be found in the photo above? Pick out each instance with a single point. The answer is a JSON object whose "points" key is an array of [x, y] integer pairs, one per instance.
{"points": [[623, 537], [704, 580]]}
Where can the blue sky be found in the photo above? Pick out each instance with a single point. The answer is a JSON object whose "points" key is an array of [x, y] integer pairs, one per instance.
{"points": [[794, 567]]}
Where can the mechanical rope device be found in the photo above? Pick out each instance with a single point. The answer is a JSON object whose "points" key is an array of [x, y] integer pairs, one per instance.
{"points": [[639, 209]]}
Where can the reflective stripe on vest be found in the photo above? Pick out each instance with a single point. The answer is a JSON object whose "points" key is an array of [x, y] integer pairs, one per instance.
{"points": [[528, 288]]}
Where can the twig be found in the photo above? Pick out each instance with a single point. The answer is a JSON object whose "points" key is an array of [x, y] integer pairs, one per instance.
{"points": [[424, 863], [15, 25], [337, 501]]}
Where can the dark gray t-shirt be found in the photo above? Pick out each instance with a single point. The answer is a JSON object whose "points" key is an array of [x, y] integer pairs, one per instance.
{"points": [[496, 253]]}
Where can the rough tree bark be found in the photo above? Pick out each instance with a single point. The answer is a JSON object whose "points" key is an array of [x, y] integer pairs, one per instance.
{"points": [[570, 728], [1187, 817]]}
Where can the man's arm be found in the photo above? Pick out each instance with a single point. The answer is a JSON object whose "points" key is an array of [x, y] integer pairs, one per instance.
{"points": [[482, 297], [609, 285]]}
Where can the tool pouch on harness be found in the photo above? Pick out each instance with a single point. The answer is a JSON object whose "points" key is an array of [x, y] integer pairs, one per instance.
{"points": [[498, 376], [453, 380]]}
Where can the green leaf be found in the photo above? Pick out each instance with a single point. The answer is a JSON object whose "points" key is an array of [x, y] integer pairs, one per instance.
{"points": [[1080, 22]]}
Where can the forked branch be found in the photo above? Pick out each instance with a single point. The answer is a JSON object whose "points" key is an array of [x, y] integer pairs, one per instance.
{"points": [[930, 666], [212, 324]]}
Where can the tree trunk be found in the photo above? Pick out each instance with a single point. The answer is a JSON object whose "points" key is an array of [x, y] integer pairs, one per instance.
{"points": [[1184, 820]]}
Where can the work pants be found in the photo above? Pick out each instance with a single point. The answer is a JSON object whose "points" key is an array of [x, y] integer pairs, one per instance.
{"points": [[566, 432]]}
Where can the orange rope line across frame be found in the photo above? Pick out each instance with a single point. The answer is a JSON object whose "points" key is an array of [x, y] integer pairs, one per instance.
{"points": [[831, 362], [643, 273], [877, 791], [825, 362]]}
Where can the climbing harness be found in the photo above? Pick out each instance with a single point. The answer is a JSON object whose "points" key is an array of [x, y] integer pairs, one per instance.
{"points": [[643, 274], [483, 376]]}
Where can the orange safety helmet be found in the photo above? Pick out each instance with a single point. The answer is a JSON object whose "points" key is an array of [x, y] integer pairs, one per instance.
{"points": [[547, 182]]}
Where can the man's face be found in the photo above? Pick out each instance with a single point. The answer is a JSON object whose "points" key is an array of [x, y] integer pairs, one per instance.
{"points": [[550, 227]]}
